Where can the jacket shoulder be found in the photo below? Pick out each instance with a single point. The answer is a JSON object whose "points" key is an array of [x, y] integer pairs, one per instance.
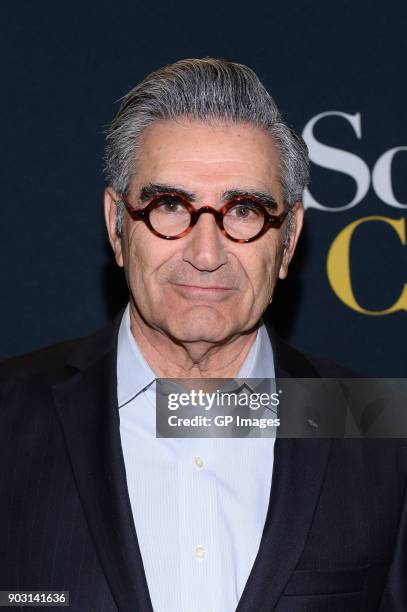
{"points": [[331, 369], [299, 364], [50, 363], [46, 359]]}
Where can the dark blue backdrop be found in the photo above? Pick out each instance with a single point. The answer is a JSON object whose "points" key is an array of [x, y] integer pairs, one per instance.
{"points": [[63, 66]]}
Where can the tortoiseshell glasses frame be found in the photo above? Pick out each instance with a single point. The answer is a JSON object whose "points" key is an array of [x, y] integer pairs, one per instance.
{"points": [[143, 214]]}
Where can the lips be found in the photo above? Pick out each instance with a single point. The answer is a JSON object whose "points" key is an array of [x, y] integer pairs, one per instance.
{"points": [[203, 287], [203, 292]]}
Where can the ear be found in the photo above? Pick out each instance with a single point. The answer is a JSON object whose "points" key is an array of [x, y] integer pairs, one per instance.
{"points": [[297, 221], [110, 199]]}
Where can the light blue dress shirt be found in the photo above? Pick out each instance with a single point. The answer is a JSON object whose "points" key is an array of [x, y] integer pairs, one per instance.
{"points": [[199, 504]]}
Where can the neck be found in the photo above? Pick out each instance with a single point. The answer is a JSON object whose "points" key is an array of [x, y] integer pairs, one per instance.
{"points": [[169, 358]]}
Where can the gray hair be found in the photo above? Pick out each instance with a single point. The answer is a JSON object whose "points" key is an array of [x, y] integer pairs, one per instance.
{"points": [[204, 90]]}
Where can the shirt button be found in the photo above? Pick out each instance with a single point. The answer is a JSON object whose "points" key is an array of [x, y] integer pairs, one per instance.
{"points": [[200, 552], [198, 462]]}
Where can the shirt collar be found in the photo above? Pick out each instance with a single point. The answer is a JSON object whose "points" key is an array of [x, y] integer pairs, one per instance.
{"points": [[134, 374]]}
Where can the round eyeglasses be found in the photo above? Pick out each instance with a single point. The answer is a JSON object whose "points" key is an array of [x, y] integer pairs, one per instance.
{"points": [[171, 216]]}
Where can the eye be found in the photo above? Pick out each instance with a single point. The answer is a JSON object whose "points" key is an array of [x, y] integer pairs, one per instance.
{"points": [[169, 204], [246, 209]]}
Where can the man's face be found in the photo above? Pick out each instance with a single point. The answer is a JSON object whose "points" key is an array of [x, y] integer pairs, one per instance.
{"points": [[203, 287]]}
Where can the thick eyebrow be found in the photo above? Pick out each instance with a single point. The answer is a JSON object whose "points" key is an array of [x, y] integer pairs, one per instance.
{"points": [[153, 189], [264, 198]]}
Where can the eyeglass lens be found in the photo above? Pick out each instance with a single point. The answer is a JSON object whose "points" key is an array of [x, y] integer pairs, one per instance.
{"points": [[244, 220]]}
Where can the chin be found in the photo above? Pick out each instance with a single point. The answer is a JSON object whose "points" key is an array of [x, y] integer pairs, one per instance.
{"points": [[212, 328]]}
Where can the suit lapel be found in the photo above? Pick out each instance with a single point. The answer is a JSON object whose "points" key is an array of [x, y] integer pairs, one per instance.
{"points": [[298, 473], [87, 408]]}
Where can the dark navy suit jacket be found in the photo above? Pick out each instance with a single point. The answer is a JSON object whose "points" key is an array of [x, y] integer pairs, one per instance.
{"points": [[336, 528]]}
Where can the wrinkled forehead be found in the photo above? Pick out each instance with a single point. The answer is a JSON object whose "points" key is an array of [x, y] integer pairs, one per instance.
{"points": [[207, 159]]}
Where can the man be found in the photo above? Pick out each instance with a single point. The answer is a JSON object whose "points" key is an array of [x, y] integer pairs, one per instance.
{"points": [[203, 212]]}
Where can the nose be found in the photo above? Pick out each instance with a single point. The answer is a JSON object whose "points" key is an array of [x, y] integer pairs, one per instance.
{"points": [[204, 245]]}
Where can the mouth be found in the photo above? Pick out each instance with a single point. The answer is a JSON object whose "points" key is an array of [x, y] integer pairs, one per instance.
{"points": [[204, 287], [207, 291]]}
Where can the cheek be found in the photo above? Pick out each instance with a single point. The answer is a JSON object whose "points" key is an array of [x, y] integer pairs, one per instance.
{"points": [[262, 269], [145, 256], [263, 275], [267, 281], [139, 258]]}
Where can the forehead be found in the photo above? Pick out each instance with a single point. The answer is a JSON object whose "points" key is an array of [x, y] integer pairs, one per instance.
{"points": [[208, 157]]}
